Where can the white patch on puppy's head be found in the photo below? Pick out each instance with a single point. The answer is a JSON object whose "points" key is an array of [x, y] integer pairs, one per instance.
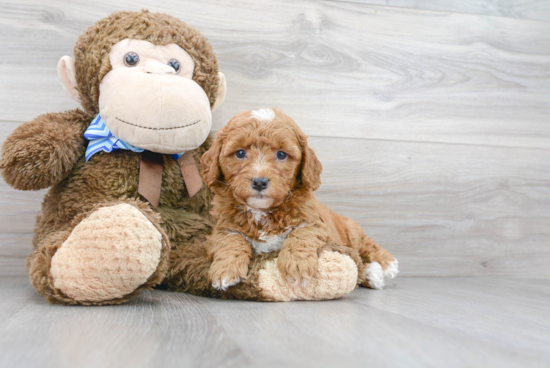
{"points": [[264, 115]]}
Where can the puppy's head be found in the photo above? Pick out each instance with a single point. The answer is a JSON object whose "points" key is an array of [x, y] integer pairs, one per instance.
{"points": [[261, 156]]}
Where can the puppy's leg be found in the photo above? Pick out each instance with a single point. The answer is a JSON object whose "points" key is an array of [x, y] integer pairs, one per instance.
{"points": [[230, 255], [298, 259], [379, 263]]}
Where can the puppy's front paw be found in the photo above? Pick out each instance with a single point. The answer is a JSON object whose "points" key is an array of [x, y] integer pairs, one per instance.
{"points": [[297, 268], [224, 274], [226, 282]]}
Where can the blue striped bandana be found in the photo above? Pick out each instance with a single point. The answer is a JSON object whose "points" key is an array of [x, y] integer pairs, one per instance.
{"points": [[102, 139]]}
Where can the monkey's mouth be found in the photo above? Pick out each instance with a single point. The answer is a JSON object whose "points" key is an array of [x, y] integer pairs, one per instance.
{"points": [[151, 128]]}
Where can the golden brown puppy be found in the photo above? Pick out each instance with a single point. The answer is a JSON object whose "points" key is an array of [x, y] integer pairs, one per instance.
{"points": [[263, 175]]}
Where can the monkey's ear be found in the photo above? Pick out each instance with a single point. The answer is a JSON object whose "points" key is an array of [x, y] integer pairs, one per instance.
{"points": [[222, 89], [67, 74]]}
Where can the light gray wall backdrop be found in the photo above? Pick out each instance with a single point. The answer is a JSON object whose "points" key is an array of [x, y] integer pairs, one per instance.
{"points": [[431, 118]]}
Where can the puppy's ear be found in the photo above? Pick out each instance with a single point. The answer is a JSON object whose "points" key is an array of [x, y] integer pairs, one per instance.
{"points": [[310, 173], [211, 172]]}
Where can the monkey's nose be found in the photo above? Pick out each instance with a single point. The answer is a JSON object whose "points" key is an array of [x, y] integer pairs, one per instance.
{"points": [[260, 184], [154, 67]]}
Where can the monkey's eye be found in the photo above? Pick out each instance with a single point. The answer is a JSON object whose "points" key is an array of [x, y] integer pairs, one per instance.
{"points": [[174, 64], [281, 155], [240, 154], [131, 59]]}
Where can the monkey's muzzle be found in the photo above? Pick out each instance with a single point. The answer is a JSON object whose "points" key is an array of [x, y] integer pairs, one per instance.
{"points": [[158, 112]]}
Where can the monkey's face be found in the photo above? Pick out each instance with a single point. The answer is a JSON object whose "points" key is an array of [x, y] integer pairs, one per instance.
{"points": [[150, 100]]}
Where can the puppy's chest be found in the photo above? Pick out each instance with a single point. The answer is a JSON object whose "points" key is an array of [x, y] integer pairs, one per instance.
{"points": [[268, 239], [265, 232], [267, 243]]}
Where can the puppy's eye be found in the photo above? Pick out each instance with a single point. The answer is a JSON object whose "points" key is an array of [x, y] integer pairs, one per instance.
{"points": [[281, 155], [174, 64], [131, 59], [240, 154]]}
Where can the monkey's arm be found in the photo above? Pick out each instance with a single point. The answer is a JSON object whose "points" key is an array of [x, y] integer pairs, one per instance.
{"points": [[42, 152]]}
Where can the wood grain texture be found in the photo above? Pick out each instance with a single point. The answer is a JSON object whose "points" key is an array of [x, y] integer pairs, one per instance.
{"points": [[444, 209], [432, 126], [523, 9], [441, 209], [415, 322], [341, 69]]}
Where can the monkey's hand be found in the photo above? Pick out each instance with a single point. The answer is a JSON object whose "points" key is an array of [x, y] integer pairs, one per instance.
{"points": [[42, 152]]}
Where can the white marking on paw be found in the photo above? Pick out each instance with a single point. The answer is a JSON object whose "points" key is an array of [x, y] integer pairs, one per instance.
{"points": [[375, 275], [391, 270], [225, 283], [264, 115]]}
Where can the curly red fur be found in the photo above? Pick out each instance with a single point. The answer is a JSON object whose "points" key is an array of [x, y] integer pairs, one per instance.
{"points": [[288, 205]]}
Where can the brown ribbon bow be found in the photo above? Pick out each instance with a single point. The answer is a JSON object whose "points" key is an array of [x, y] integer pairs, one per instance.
{"points": [[150, 175]]}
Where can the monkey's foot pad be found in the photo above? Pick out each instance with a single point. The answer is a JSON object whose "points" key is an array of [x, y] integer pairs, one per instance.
{"points": [[108, 255], [337, 276]]}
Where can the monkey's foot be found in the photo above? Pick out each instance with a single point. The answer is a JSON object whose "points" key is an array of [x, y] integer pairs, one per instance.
{"points": [[336, 276], [108, 255]]}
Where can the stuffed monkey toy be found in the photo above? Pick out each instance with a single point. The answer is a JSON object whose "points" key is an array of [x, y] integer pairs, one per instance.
{"points": [[126, 209]]}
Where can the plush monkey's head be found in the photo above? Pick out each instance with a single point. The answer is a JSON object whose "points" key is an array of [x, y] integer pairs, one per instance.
{"points": [[153, 79]]}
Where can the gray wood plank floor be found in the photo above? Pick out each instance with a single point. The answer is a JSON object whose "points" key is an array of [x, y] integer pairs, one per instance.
{"points": [[431, 120], [415, 322]]}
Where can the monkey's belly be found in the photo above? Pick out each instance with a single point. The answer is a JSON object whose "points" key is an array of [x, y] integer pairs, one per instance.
{"points": [[107, 177]]}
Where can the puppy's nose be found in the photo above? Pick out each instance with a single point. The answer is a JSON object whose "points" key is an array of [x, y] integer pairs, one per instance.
{"points": [[260, 184]]}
